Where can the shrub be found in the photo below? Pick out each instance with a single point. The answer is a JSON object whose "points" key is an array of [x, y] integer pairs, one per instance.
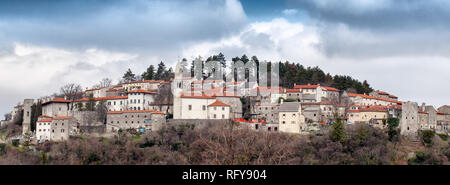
{"points": [[15, 142], [443, 136], [2, 149], [427, 137], [425, 158]]}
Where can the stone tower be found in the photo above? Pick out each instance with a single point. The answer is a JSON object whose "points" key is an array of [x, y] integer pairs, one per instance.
{"points": [[409, 124], [176, 91], [27, 103]]}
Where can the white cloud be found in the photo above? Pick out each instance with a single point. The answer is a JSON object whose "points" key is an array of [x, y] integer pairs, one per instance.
{"points": [[290, 11], [29, 71]]}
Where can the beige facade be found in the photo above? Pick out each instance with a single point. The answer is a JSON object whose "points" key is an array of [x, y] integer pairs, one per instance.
{"points": [[291, 119], [56, 107]]}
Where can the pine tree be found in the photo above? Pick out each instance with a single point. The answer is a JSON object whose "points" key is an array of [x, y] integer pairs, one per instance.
{"points": [[160, 71], [149, 74], [129, 76], [338, 133]]}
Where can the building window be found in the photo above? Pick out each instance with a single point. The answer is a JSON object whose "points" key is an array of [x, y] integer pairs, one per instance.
{"points": [[204, 107], [284, 122], [215, 108], [190, 107], [214, 116], [223, 116]]}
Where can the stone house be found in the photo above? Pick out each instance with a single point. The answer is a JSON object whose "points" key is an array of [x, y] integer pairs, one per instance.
{"points": [[291, 119], [148, 120]]}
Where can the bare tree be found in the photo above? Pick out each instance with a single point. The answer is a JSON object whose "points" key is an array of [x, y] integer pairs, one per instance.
{"points": [[101, 110], [164, 97], [8, 116], [105, 82], [71, 91]]}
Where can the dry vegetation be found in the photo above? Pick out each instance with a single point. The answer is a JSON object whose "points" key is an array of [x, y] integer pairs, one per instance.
{"points": [[227, 144]]}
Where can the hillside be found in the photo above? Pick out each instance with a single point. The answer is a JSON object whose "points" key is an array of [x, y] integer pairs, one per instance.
{"points": [[227, 144]]}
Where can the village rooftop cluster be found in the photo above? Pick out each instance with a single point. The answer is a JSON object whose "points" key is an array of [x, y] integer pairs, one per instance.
{"points": [[303, 109]]}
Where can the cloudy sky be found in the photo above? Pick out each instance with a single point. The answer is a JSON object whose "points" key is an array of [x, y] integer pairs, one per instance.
{"points": [[399, 46]]}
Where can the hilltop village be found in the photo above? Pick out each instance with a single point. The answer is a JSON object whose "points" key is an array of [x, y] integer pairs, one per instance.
{"points": [[148, 105]]}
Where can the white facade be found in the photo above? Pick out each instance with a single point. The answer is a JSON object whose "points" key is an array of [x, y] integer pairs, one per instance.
{"points": [[140, 100], [219, 112], [43, 130]]}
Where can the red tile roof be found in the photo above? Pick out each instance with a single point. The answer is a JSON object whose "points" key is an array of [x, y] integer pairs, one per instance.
{"points": [[382, 92], [293, 90], [142, 91], [218, 104], [112, 90], [309, 86], [45, 120], [94, 89], [392, 96], [373, 97], [314, 87], [57, 100], [422, 112], [242, 120]]}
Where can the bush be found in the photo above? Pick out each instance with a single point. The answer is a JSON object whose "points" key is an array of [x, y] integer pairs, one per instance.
{"points": [[427, 137], [15, 142], [443, 136], [2, 149], [425, 158]]}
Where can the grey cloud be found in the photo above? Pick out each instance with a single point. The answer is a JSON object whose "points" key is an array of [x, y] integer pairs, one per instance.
{"points": [[383, 28], [143, 26], [379, 14]]}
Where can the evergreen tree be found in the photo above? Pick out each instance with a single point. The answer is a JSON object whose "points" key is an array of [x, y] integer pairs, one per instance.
{"points": [[129, 76], [393, 131], [149, 74], [244, 59], [160, 71], [338, 133], [221, 58]]}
